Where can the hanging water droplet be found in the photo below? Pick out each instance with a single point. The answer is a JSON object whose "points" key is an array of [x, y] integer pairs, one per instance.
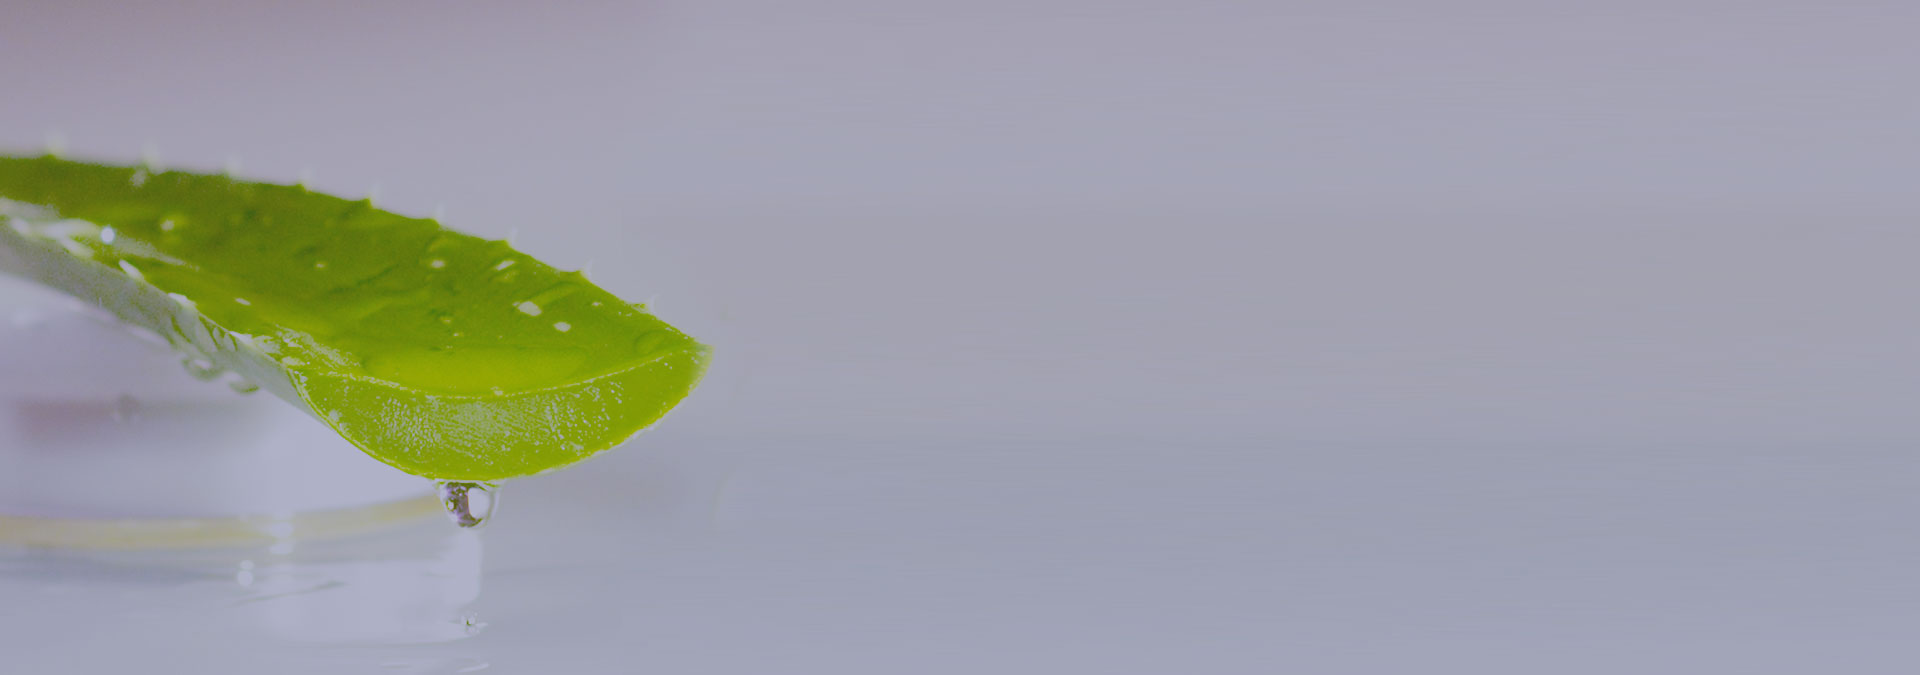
{"points": [[468, 504], [243, 385]]}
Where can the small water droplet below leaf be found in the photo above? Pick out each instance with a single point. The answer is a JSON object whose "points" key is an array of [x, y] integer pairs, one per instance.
{"points": [[469, 504]]}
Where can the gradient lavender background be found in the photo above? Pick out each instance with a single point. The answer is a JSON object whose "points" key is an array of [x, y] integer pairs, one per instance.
{"points": [[1137, 337]]}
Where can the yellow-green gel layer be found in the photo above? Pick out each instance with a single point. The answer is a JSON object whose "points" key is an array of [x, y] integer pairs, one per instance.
{"points": [[442, 354]]}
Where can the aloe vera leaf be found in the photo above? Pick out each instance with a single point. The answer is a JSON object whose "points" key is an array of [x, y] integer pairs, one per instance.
{"points": [[444, 355]]}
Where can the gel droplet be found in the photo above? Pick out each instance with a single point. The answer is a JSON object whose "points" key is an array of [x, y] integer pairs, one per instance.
{"points": [[468, 504]]}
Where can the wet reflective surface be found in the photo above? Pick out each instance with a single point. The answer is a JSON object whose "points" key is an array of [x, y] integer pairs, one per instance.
{"points": [[410, 585], [683, 555]]}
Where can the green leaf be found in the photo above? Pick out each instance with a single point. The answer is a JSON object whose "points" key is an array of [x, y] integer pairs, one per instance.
{"points": [[442, 354]]}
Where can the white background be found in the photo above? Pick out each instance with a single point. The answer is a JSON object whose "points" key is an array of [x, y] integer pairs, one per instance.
{"points": [[1129, 337]]}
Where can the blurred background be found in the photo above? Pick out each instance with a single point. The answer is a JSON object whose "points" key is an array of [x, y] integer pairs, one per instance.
{"points": [[1137, 337]]}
